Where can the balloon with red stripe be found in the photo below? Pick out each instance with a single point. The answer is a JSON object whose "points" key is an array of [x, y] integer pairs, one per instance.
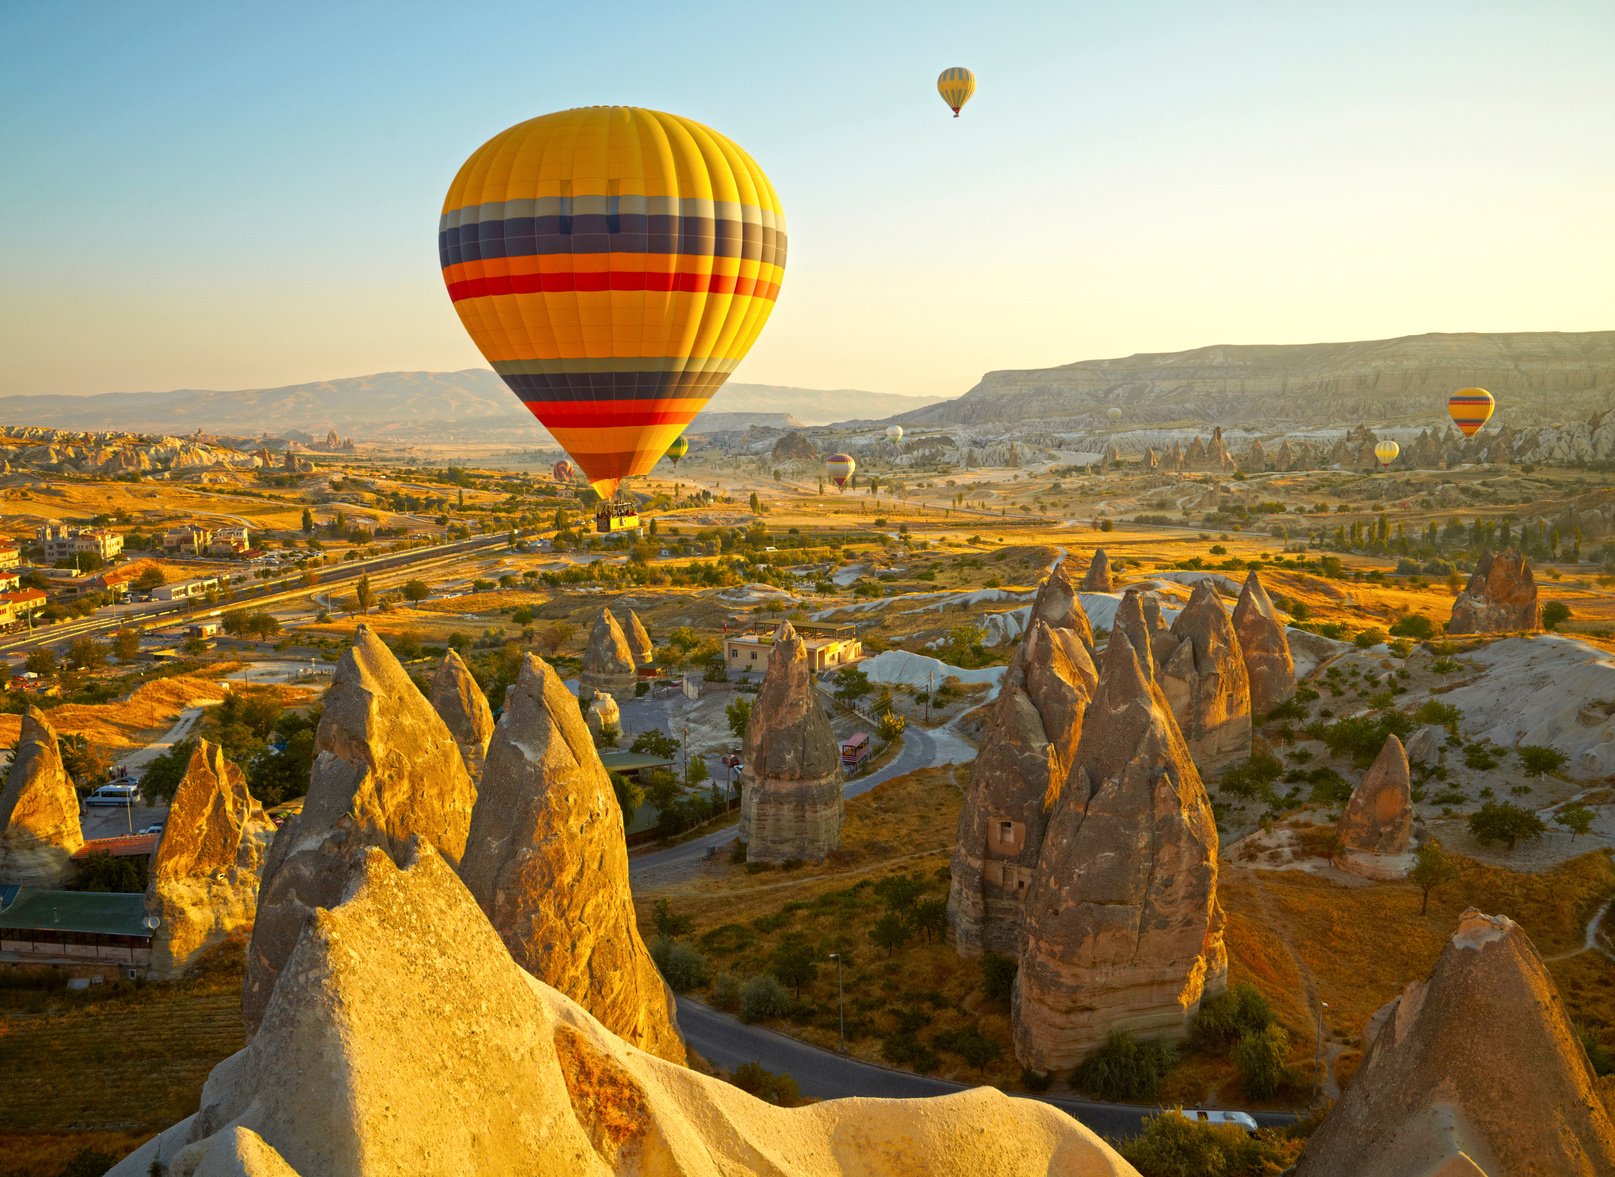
{"points": [[614, 265], [841, 468], [1470, 409]]}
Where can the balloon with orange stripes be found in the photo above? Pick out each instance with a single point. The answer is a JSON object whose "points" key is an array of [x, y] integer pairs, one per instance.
{"points": [[1470, 409], [614, 265]]}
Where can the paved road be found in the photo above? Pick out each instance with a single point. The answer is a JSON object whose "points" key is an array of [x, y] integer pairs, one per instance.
{"points": [[824, 1074]]}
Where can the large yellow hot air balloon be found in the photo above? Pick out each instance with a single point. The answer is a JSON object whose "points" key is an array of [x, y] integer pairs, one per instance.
{"points": [[956, 84], [1386, 451], [680, 447], [1470, 409], [613, 264], [840, 468]]}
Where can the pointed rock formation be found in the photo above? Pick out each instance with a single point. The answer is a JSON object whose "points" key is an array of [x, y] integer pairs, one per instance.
{"points": [[402, 1039], [548, 862], [604, 715], [1138, 620], [39, 811], [1476, 1070], [791, 800], [1097, 578], [1057, 606], [1204, 680], [1122, 926], [1265, 647], [1499, 598], [463, 707], [385, 769], [608, 663], [205, 874], [1026, 752], [1377, 824], [639, 643]]}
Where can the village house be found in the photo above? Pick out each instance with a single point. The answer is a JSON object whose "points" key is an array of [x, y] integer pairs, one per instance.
{"points": [[829, 646], [61, 541]]}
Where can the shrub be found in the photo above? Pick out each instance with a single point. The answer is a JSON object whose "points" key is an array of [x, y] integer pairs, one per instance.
{"points": [[1259, 1058], [763, 997], [1537, 760], [1123, 1068], [1480, 757], [89, 1162], [1255, 777], [1501, 821], [1444, 714], [891, 932], [726, 992], [970, 1044], [1555, 614], [682, 966], [775, 1086], [1414, 625], [998, 976], [1036, 1081], [1225, 1018], [904, 1049], [669, 925], [1172, 1145]]}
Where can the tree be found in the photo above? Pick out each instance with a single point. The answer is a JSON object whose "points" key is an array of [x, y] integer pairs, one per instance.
{"points": [[695, 771], [1500, 821], [763, 997], [1431, 868], [86, 652], [126, 644], [900, 893], [41, 661], [756, 504], [739, 713], [931, 918], [163, 775], [1578, 819], [796, 964], [1537, 760], [364, 594], [1259, 1058], [852, 684], [1124, 1068], [308, 521], [150, 577], [669, 925], [552, 639], [629, 795], [654, 743], [1555, 614], [891, 932], [416, 590], [891, 726]]}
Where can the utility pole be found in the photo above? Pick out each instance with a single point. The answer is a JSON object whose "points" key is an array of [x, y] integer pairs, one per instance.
{"points": [[841, 1006], [1317, 1065], [930, 683]]}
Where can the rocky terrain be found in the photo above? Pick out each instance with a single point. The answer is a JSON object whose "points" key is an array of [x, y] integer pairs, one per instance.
{"points": [[204, 874], [113, 453], [1499, 598], [639, 643], [547, 861], [1475, 1071], [791, 804], [1377, 825], [1204, 680], [39, 811], [462, 706], [608, 661], [1265, 647]]}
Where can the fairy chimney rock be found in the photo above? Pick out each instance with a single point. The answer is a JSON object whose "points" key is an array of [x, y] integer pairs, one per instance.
{"points": [[386, 769], [791, 801], [205, 874], [639, 643], [1026, 752], [463, 707], [403, 1039], [1138, 622], [605, 717], [608, 663], [1205, 682], [1097, 578], [39, 811], [1265, 647], [1123, 930], [1056, 604], [1499, 598], [548, 862], [1377, 824], [1476, 1070]]}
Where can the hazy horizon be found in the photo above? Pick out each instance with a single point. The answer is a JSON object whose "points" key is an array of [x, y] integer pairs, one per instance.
{"points": [[205, 198]]}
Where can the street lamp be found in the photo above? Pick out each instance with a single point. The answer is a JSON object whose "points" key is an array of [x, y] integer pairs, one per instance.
{"points": [[841, 1007], [1317, 1065]]}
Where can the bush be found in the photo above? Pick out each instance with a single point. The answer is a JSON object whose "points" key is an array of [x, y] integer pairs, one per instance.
{"points": [[89, 1162], [1501, 821], [1555, 614], [1416, 626], [1480, 757], [1036, 1081], [1255, 777], [906, 1050], [998, 976], [775, 1087], [1225, 1018], [1537, 760], [970, 1044], [1123, 1068], [669, 924], [682, 966], [1444, 714], [1259, 1058], [1173, 1146], [763, 997], [726, 992]]}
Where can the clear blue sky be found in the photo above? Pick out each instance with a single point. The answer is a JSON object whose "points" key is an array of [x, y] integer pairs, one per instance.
{"points": [[226, 194]]}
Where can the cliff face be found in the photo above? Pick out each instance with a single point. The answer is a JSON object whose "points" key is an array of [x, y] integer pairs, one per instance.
{"points": [[39, 811]]}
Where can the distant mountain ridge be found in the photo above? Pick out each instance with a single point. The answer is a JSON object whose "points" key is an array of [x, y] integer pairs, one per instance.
{"points": [[470, 406], [1535, 376]]}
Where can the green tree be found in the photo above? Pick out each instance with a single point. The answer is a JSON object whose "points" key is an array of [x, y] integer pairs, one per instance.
{"points": [[629, 795], [126, 645], [1124, 1068], [739, 714], [796, 964], [683, 966], [668, 923], [890, 932], [755, 504], [763, 997], [695, 772], [365, 594], [149, 577], [891, 726], [931, 918], [308, 521], [1259, 1059], [1555, 614], [552, 639], [654, 743], [852, 684], [163, 775], [416, 590], [1537, 760], [86, 652], [1431, 868], [998, 976], [1578, 819], [900, 893], [1501, 821], [41, 661]]}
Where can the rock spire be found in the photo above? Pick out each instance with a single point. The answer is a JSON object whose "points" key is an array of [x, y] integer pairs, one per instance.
{"points": [[1265, 647], [39, 811], [639, 643], [463, 707], [1377, 823], [1097, 578], [1205, 682], [608, 663], [1499, 598]]}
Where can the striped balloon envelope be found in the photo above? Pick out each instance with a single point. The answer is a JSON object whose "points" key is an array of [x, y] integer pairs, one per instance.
{"points": [[956, 84], [680, 447], [1470, 409], [1386, 451], [614, 265], [840, 468], [562, 471]]}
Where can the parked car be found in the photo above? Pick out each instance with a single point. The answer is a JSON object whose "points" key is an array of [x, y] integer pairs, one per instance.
{"points": [[155, 827], [114, 795], [1240, 1119]]}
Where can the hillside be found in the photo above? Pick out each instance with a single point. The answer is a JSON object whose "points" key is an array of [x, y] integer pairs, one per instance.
{"points": [[1535, 376], [473, 405]]}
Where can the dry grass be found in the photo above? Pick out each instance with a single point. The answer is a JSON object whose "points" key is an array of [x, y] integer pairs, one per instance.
{"points": [[46, 1154], [134, 721]]}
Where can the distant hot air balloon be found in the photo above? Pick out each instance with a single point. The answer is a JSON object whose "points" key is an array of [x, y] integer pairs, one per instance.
{"points": [[613, 264], [1386, 452], [1471, 408], [840, 468], [894, 433], [680, 447], [562, 471], [1114, 413], [956, 84]]}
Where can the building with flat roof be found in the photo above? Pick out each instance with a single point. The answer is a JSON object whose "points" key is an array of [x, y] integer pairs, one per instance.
{"points": [[829, 646], [189, 539], [25, 601], [61, 541], [75, 927], [182, 590], [10, 554]]}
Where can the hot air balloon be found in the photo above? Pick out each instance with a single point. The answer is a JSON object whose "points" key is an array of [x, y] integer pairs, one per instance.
{"points": [[956, 84], [1113, 413], [1386, 452], [562, 471], [840, 468], [613, 264], [680, 447], [1470, 409], [894, 433]]}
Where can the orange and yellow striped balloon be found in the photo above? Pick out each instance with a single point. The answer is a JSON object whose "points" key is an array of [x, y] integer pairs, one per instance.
{"points": [[614, 265], [956, 84], [1470, 409]]}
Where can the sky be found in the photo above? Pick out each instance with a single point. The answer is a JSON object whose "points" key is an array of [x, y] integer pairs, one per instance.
{"points": [[226, 194]]}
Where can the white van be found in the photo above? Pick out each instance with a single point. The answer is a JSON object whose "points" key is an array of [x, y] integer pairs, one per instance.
{"points": [[124, 794], [1239, 1119]]}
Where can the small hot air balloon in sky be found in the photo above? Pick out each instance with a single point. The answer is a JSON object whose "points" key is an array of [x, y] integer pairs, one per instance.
{"points": [[956, 84], [614, 265], [562, 471], [840, 468], [894, 433], [1114, 413], [680, 447], [1386, 452], [1470, 409]]}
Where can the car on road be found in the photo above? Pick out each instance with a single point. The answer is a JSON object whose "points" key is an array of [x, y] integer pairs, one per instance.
{"points": [[155, 827], [1201, 1116], [114, 795]]}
